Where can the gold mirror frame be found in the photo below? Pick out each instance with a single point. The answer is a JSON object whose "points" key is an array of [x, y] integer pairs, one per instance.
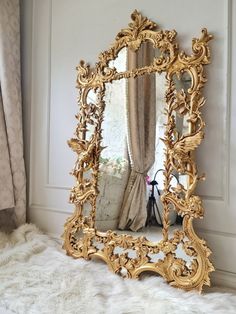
{"points": [[80, 234]]}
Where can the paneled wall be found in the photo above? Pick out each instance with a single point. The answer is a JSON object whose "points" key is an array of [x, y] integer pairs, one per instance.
{"points": [[56, 34]]}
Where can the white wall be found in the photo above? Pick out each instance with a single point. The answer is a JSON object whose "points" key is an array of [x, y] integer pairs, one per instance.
{"points": [[56, 35]]}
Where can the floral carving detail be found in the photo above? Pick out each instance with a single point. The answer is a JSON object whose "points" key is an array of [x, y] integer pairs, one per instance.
{"points": [[136, 27]]}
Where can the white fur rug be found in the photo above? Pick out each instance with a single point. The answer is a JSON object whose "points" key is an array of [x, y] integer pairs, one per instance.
{"points": [[37, 277]]}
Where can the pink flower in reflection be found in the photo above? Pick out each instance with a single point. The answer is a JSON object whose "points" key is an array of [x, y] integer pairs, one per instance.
{"points": [[148, 180]]}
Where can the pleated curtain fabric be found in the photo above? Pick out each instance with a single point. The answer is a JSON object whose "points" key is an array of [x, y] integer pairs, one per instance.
{"points": [[141, 125], [12, 168]]}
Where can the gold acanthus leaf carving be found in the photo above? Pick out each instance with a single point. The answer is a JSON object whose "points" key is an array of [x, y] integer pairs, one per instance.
{"points": [[138, 25], [83, 193], [200, 48], [180, 103], [191, 205]]}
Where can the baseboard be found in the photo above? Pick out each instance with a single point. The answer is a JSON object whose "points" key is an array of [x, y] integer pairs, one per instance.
{"points": [[52, 220], [49, 220], [223, 279]]}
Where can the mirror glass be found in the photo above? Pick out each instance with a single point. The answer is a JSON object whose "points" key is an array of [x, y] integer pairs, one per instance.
{"points": [[116, 160]]}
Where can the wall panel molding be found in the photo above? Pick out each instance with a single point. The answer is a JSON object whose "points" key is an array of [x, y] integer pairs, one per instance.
{"points": [[48, 183], [48, 197], [48, 137], [224, 279], [228, 95]]}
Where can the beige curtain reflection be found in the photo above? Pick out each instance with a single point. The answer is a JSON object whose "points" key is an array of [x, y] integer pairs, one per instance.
{"points": [[12, 170], [141, 125]]}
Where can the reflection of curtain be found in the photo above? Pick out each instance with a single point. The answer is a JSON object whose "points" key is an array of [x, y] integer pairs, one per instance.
{"points": [[141, 139], [12, 171]]}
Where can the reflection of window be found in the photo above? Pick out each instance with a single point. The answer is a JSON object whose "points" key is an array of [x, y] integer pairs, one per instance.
{"points": [[114, 126], [160, 121]]}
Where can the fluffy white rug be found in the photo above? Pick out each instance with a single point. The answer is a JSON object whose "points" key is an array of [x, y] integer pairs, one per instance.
{"points": [[37, 277]]}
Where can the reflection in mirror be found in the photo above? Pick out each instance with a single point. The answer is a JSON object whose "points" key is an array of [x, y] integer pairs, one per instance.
{"points": [[116, 163], [182, 84], [143, 57], [91, 101], [120, 62], [182, 81]]}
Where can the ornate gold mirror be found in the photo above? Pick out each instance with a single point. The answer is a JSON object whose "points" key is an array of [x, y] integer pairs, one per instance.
{"points": [[139, 123]]}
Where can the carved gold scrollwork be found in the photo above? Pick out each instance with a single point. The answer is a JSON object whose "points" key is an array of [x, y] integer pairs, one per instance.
{"points": [[80, 236]]}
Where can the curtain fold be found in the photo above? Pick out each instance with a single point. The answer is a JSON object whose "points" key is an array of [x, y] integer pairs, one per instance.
{"points": [[12, 168], [141, 124], [6, 190]]}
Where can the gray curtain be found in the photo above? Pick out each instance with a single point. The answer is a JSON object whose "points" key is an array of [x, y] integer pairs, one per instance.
{"points": [[12, 169], [141, 124]]}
